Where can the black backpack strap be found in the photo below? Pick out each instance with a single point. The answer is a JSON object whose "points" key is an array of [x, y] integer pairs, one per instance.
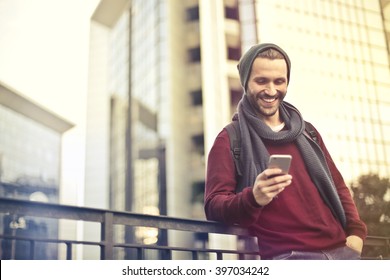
{"points": [[309, 128], [233, 129]]}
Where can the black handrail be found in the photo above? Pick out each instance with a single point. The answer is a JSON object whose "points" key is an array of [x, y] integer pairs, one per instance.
{"points": [[108, 219]]}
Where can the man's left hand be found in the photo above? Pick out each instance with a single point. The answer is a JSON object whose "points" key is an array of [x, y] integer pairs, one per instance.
{"points": [[355, 242]]}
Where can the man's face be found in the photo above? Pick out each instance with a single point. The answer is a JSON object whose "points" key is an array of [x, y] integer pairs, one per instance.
{"points": [[267, 86]]}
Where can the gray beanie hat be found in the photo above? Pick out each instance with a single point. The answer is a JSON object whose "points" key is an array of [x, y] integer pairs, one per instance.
{"points": [[246, 61]]}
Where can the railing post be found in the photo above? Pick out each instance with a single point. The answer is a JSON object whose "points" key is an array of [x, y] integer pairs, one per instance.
{"points": [[68, 250], [32, 250], [194, 255], [107, 237], [140, 254]]}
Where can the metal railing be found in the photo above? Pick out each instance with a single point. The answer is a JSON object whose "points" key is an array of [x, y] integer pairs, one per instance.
{"points": [[108, 220]]}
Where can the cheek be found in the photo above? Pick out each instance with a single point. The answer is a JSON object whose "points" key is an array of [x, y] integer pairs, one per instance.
{"points": [[254, 90], [253, 100], [251, 92], [282, 90]]}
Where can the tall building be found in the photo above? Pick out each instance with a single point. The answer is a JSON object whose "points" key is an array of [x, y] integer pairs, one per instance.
{"points": [[163, 83], [340, 75], [30, 158]]}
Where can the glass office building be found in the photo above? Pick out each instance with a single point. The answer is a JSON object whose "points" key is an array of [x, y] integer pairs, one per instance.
{"points": [[340, 75], [30, 156], [164, 76]]}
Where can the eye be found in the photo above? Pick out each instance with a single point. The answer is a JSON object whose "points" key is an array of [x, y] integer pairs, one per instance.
{"points": [[261, 81], [280, 81]]}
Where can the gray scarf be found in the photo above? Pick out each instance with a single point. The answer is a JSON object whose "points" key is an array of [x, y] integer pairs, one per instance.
{"points": [[254, 155]]}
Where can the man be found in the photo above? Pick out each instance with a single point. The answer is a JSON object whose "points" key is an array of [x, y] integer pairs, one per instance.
{"points": [[305, 214]]}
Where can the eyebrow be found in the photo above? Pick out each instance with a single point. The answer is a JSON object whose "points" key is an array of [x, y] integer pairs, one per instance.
{"points": [[266, 78]]}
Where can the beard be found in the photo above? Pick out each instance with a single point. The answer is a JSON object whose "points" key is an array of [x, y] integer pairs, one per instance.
{"points": [[266, 105]]}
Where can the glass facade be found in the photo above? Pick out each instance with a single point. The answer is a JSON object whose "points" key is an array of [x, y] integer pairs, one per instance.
{"points": [[148, 90], [136, 42], [30, 156], [149, 63], [141, 89], [29, 151], [340, 75], [118, 83]]}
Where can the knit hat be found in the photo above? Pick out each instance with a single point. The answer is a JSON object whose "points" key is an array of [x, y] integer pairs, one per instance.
{"points": [[245, 64]]}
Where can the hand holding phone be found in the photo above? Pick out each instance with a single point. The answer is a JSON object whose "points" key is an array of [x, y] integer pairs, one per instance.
{"points": [[266, 189]]}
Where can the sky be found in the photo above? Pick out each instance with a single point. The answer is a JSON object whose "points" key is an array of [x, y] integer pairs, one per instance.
{"points": [[44, 56]]}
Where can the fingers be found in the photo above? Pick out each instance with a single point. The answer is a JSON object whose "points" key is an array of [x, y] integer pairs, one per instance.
{"points": [[269, 184], [275, 185], [280, 181], [274, 177], [271, 172]]}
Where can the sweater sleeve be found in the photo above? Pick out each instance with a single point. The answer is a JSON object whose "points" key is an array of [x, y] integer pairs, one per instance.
{"points": [[222, 203], [355, 226]]}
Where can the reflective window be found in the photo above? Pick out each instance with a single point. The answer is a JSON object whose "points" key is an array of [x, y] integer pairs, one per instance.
{"points": [[29, 151]]}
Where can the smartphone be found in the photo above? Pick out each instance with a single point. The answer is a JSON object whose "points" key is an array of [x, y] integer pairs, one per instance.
{"points": [[280, 161]]}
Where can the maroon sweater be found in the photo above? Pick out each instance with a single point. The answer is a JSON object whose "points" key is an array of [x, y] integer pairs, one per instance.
{"points": [[298, 219]]}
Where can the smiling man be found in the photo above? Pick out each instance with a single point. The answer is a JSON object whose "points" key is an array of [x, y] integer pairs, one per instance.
{"points": [[305, 214], [267, 86]]}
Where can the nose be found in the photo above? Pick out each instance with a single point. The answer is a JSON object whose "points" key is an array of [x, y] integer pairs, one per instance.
{"points": [[270, 89]]}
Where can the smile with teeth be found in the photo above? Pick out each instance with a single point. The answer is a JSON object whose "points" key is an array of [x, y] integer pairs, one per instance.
{"points": [[268, 99]]}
